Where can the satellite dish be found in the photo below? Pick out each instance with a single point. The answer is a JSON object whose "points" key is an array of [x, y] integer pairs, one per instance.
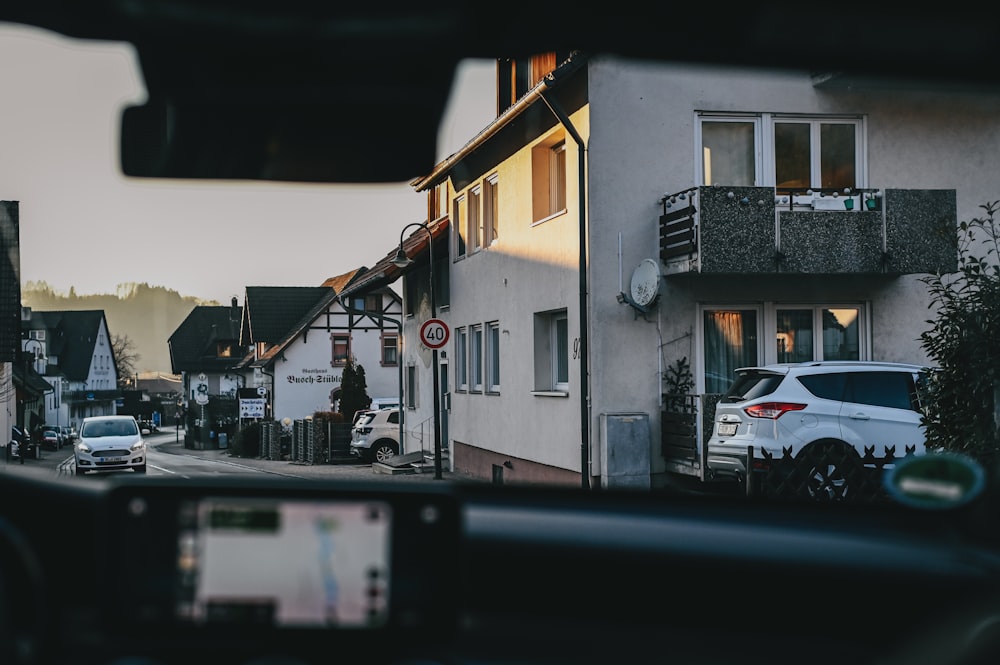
{"points": [[645, 286]]}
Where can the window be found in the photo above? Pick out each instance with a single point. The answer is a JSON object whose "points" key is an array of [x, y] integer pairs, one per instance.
{"points": [[790, 153], [373, 304], [551, 345], [732, 337], [476, 357], [491, 207], [816, 154], [224, 350], [475, 229], [548, 179], [390, 355], [461, 359], [411, 386], [493, 357], [729, 153], [459, 226], [341, 349], [818, 333]]}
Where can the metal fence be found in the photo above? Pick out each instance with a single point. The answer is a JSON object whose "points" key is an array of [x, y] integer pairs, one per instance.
{"points": [[820, 473], [305, 441]]}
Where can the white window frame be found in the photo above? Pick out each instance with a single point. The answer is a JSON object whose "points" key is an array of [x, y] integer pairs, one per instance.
{"points": [[476, 358], [491, 210], [474, 233], [767, 329], [547, 356], [492, 357], [548, 178], [461, 359], [460, 243], [557, 178], [764, 153]]}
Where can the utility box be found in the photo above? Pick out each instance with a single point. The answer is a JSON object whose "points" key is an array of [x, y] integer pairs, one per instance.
{"points": [[625, 450]]}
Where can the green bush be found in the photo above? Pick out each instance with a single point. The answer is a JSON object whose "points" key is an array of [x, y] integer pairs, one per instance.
{"points": [[246, 442], [959, 412]]}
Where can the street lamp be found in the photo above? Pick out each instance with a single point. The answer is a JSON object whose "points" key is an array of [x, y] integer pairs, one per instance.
{"points": [[403, 261]]}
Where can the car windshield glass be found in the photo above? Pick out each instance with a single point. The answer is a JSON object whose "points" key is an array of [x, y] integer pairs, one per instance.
{"points": [[562, 268]]}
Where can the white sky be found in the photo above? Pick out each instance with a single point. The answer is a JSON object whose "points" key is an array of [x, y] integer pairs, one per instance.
{"points": [[82, 224]]}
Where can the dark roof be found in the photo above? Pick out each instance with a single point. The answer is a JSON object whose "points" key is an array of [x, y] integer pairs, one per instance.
{"points": [[334, 285], [71, 336], [194, 344], [269, 312], [385, 272], [29, 380]]}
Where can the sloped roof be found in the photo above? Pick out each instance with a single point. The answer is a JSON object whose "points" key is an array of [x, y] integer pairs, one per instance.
{"points": [[194, 344], [385, 272], [269, 312], [29, 380], [340, 281], [71, 337], [335, 284]]}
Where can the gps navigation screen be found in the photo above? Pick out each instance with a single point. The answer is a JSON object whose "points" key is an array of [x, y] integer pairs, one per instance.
{"points": [[284, 563]]}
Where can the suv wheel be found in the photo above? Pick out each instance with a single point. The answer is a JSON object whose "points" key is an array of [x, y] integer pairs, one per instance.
{"points": [[383, 450], [832, 471]]}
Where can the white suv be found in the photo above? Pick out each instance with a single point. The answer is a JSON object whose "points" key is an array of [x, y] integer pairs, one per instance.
{"points": [[860, 413], [375, 436]]}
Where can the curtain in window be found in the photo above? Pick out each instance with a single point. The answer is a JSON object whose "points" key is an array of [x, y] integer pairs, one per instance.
{"points": [[730, 343]]}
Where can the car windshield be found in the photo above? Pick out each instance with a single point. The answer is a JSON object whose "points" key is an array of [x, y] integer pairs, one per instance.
{"points": [[99, 428], [572, 263]]}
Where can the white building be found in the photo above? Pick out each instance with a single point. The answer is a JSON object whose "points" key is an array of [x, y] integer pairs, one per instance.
{"points": [[621, 218]]}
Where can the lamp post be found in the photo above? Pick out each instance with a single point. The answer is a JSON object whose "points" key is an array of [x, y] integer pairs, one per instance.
{"points": [[402, 261]]}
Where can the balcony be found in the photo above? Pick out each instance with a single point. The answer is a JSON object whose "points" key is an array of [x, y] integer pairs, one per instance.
{"points": [[760, 230]]}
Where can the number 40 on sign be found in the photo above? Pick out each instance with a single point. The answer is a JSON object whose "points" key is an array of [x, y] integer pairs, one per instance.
{"points": [[434, 333]]}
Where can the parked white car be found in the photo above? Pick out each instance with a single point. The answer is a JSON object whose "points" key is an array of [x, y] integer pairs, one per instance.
{"points": [[375, 435], [860, 413]]}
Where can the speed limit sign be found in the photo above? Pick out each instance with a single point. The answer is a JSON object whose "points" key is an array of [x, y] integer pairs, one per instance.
{"points": [[434, 333]]}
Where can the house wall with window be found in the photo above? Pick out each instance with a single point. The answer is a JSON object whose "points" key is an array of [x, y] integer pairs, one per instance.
{"points": [[514, 315], [655, 131], [309, 368], [651, 130]]}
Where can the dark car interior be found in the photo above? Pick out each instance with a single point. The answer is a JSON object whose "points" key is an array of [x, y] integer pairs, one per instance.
{"points": [[119, 570]]}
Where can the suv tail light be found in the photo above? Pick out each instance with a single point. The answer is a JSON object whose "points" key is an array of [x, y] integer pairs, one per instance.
{"points": [[364, 430], [772, 410]]}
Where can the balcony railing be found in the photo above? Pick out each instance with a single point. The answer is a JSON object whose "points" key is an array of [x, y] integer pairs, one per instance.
{"points": [[759, 230]]}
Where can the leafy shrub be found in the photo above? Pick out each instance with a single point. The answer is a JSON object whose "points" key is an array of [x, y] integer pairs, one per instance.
{"points": [[959, 413], [246, 442]]}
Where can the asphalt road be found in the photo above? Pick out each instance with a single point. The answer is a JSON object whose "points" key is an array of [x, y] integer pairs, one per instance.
{"points": [[167, 455]]}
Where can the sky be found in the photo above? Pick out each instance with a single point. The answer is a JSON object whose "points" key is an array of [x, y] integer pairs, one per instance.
{"points": [[84, 225]]}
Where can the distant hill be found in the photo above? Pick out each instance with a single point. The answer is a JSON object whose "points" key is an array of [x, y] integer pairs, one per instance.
{"points": [[148, 315]]}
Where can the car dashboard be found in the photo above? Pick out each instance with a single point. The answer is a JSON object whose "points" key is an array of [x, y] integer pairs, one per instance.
{"points": [[163, 571]]}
